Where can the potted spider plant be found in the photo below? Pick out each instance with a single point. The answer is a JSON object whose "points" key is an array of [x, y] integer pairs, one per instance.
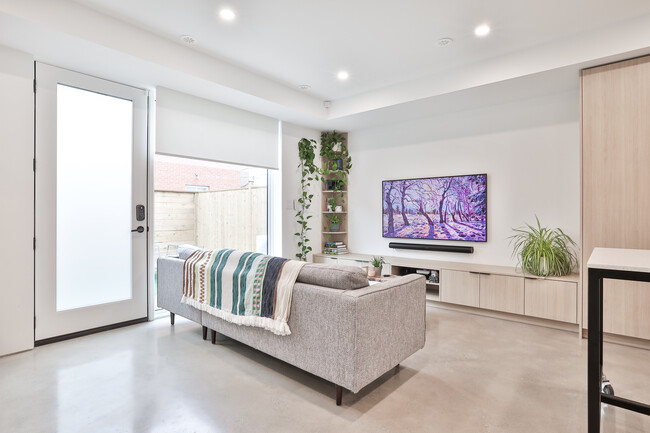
{"points": [[544, 252]]}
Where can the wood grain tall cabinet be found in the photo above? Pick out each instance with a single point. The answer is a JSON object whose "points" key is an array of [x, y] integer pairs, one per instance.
{"points": [[615, 121]]}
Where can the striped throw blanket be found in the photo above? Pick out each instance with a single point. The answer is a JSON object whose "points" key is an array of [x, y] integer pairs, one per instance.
{"points": [[241, 287]]}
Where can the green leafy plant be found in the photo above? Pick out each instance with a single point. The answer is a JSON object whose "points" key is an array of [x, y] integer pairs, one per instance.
{"points": [[377, 262], [309, 172], [544, 252], [332, 149], [334, 220]]}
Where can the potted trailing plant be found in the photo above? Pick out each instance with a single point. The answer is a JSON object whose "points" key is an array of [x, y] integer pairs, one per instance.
{"points": [[335, 223], [309, 172], [377, 263], [544, 252]]}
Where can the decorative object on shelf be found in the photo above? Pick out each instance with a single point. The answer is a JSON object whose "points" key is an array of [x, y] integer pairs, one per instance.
{"points": [[335, 248], [335, 223], [338, 209], [309, 172], [334, 185], [544, 252], [377, 263]]}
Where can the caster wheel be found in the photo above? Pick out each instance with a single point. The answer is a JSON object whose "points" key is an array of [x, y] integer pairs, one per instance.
{"points": [[607, 389]]}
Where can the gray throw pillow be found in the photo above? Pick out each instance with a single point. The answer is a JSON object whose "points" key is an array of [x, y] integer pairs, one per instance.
{"points": [[334, 276], [184, 251]]}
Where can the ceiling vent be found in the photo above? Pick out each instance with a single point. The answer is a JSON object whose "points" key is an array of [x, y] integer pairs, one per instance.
{"points": [[444, 42]]}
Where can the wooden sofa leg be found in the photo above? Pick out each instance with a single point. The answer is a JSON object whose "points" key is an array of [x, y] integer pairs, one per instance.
{"points": [[339, 394], [214, 336], [172, 316], [205, 332]]}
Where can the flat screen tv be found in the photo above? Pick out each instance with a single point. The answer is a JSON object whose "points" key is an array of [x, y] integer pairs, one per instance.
{"points": [[450, 208]]}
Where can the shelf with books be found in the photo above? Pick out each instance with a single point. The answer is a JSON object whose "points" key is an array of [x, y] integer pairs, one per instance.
{"points": [[335, 163], [335, 248]]}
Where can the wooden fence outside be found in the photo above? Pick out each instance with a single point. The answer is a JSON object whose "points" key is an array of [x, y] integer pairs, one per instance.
{"points": [[211, 219]]}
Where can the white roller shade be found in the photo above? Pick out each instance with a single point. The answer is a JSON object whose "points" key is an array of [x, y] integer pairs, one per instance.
{"points": [[194, 127]]}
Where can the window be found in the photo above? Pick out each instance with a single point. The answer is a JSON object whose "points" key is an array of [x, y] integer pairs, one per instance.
{"points": [[209, 204]]}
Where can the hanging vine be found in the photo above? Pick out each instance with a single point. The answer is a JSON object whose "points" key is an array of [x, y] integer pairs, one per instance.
{"points": [[309, 172]]}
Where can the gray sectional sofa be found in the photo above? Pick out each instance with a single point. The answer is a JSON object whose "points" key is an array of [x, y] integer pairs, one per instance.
{"points": [[342, 329]]}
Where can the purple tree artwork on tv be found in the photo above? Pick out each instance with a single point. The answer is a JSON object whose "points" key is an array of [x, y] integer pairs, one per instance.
{"points": [[441, 208]]}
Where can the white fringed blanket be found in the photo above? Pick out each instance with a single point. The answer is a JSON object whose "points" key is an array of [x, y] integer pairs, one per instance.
{"points": [[241, 287]]}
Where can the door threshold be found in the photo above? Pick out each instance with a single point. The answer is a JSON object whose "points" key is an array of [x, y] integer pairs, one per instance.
{"points": [[88, 332]]}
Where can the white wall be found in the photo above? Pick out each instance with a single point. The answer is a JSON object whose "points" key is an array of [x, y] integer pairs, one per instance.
{"points": [[291, 135], [17, 193], [530, 150]]}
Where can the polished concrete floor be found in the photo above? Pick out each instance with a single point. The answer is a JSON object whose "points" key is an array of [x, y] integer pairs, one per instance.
{"points": [[475, 374]]}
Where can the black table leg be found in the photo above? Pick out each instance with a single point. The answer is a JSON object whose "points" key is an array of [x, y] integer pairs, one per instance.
{"points": [[594, 350]]}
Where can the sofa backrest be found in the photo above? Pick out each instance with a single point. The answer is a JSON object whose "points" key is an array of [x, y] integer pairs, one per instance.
{"points": [[318, 274], [334, 276]]}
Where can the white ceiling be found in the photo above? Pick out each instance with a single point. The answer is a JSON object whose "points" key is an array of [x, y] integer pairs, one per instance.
{"points": [[380, 42], [396, 70]]}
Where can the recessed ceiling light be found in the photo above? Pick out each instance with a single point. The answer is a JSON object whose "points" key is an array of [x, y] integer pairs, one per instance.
{"points": [[482, 30], [444, 42], [343, 75], [304, 87], [227, 14], [189, 40]]}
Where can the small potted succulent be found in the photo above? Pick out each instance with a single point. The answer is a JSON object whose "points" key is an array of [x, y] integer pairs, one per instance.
{"points": [[377, 263]]}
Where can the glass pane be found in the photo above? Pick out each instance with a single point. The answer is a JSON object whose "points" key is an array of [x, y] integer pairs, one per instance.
{"points": [[210, 204], [93, 245]]}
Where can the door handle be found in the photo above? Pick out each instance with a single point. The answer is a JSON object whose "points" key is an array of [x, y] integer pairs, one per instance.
{"points": [[140, 229]]}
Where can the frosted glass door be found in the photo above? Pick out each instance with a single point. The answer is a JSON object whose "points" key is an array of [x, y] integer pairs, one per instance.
{"points": [[91, 157], [93, 187]]}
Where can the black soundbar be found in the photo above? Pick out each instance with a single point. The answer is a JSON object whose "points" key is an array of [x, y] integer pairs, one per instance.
{"points": [[422, 247]]}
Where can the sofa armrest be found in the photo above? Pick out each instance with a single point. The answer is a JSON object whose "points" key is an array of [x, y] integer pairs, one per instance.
{"points": [[390, 325], [170, 289]]}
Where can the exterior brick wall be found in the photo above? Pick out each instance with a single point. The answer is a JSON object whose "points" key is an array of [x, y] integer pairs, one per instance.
{"points": [[173, 174]]}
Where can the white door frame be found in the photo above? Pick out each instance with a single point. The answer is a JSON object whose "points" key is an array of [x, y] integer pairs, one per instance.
{"points": [[50, 324]]}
